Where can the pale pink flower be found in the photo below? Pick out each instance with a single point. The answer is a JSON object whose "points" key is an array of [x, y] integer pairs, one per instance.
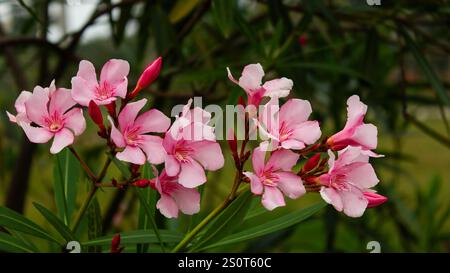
{"points": [[132, 134], [288, 127], [355, 132], [251, 82], [174, 196], [113, 82], [348, 178], [191, 147], [52, 111], [274, 178]]}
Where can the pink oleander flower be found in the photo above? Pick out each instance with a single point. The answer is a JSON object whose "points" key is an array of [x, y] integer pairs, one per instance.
{"points": [[191, 147], [113, 82], [52, 110], [374, 199], [251, 80], [348, 178], [274, 178], [288, 127], [132, 134], [355, 132], [174, 196]]}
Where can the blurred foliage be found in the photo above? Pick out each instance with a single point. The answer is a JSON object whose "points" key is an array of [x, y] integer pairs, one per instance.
{"points": [[395, 56]]}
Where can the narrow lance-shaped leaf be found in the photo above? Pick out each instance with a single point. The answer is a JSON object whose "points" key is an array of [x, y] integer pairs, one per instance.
{"points": [[274, 225], [59, 226], [10, 244], [137, 237]]}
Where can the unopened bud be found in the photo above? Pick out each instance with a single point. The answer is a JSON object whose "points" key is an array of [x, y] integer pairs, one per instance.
{"points": [[312, 163], [141, 183], [147, 77], [374, 199]]}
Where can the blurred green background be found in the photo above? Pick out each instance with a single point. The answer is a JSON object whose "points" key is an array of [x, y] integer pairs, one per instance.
{"points": [[395, 56]]}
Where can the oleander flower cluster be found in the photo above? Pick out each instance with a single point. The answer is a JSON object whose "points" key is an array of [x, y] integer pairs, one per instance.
{"points": [[290, 158]]}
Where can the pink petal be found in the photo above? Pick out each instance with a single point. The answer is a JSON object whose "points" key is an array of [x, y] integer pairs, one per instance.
{"points": [[75, 121], [278, 88], [295, 111], [11, 117], [152, 121], [308, 132], [60, 101], [272, 198], [172, 166], [114, 71], [152, 147], [332, 197], [293, 144], [209, 154], [191, 174], [230, 76], [62, 139], [290, 184], [251, 77], [132, 154], [83, 92], [362, 175], [36, 134], [167, 206], [20, 101], [197, 114], [198, 131], [188, 200], [366, 136], [129, 113], [350, 155], [36, 107], [255, 184], [258, 157], [354, 202], [282, 160], [86, 70], [269, 118], [356, 111], [116, 135], [121, 89]]}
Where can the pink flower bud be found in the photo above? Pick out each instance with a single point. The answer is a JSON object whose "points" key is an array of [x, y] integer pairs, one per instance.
{"points": [[141, 183], [149, 75], [311, 163], [95, 114], [374, 199]]}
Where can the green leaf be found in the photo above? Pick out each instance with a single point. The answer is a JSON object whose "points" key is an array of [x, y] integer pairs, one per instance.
{"points": [[94, 222], [66, 173], [222, 11], [137, 237], [120, 166], [276, 224], [15, 221], [150, 216], [228, 220], [163, 29], [10, 244], [59, 226], [181, 9], [426, 67]]}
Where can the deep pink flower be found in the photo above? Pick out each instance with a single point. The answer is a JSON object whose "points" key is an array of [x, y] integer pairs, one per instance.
{"points": [[251, 82], [374, 199], [274, 178], [355, 132], [288, 127], [191, 147], [348, 178], [132, 134], [113, 82], [175, 197], [52, 111]]}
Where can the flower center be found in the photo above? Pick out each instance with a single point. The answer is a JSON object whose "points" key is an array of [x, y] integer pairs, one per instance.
{"points": [[182, 153], [284, 132], [132, 137], [269, 179], [54, 122], [104, 91], [339, 182]]}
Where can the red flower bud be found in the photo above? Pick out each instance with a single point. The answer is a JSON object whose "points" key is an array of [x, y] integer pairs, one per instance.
{"points": [[111, 109], [241, 102], [374, 199], [303, 40], [147, 77], [115, 244], [141, 183], [311, 163], [232, 141], [96, 114]]}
